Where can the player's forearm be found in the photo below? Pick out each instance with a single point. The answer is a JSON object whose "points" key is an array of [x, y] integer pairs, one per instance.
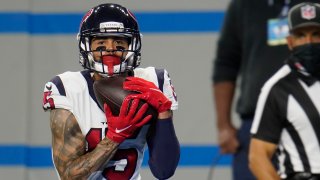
{"points": [[83, 166], [68, 145], [164, 149]]}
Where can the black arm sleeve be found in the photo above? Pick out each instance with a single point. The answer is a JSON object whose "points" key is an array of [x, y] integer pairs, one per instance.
{"points": [[164, 149], [228, 55]]}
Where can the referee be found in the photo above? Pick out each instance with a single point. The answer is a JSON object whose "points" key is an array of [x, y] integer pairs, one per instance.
{"points": [[287, 118]]}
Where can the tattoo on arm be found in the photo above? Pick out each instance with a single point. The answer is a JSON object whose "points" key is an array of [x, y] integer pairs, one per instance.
{"points": [[69, 147]]}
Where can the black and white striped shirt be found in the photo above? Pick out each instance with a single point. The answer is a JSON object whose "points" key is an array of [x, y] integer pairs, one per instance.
{"points": [[287, 114]]}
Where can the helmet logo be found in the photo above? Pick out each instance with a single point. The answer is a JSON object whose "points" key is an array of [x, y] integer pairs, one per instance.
{"points": [[111, 26], [86, 16]]}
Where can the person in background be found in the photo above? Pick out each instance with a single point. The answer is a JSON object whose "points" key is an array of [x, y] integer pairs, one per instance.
{"points": [[89, 141], [251, 48], [287, 118]]}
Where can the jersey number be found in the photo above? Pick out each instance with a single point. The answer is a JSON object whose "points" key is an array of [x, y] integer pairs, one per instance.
{"points": [[123, 163]]}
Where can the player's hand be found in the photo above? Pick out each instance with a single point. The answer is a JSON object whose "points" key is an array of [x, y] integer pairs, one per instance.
{"points": [[123, 126], [149, 92], [228, 141]]}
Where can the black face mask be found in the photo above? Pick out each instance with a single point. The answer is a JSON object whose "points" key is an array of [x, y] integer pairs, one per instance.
{"points": [[309, 57]]}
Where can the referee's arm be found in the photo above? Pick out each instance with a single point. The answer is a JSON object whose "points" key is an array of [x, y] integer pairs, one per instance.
{"points": [[265, 130], [260, 154]]}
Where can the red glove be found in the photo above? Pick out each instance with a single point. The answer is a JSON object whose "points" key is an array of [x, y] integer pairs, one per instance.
{"points": [[123, 126], [149, 92]]}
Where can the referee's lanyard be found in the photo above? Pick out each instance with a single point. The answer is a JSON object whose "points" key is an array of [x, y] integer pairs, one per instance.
{"points": [[278, 28]]}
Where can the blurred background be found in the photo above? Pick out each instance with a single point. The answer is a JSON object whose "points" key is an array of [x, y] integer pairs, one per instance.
{"points": [[38, 41]]}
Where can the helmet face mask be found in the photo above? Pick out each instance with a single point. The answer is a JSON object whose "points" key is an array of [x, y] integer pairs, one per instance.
{"points": [[109, 20]]}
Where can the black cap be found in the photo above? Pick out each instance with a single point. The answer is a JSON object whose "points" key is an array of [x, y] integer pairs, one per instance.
{"points": [[304, 14]]}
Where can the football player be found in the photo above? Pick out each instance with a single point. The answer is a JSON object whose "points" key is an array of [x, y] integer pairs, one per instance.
{"points": [[88, 141]]}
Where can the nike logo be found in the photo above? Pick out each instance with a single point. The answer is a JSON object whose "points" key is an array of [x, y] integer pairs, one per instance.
{"points": [[123, 129]]}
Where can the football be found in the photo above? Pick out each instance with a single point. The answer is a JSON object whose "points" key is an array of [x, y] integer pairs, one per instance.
{"points": [[109, 90]]}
